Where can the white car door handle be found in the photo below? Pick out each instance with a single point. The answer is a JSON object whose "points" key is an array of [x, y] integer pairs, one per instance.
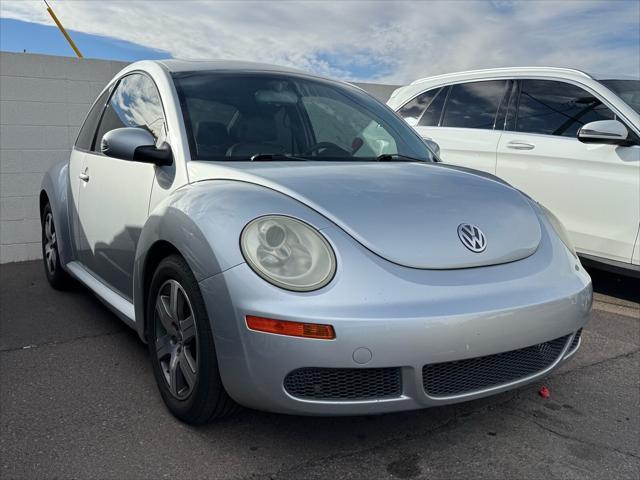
{"points": [[84, 177], [518, 145]]}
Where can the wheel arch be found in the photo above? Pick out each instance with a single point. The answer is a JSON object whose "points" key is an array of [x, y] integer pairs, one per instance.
{"points": [[170, 231], [55, 191], [203, 222]]}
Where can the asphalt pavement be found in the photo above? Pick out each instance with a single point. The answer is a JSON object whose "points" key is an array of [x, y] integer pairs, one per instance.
{"points": [[78, 400]]}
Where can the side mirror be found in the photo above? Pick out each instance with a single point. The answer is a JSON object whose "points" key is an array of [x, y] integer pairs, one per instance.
{"points": [[433, 146], [611, 132], [135, 144]]}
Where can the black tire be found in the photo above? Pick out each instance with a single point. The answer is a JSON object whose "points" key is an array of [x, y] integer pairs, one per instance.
{"points": [[203, 399], [58, 278]]}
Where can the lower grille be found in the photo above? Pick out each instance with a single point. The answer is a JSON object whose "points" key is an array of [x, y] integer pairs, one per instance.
{"points": [[464, 376], [575, 341], [344, 383]]}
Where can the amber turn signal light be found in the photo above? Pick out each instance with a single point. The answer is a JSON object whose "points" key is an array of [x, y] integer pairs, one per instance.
{"points": [[292, 329]]}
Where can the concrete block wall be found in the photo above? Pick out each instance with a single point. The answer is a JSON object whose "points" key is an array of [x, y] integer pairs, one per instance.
{"points": [[43, 102]]}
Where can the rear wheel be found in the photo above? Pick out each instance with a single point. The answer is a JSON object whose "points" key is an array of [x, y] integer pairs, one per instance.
{"points": [[57, 277], [181, 346]]}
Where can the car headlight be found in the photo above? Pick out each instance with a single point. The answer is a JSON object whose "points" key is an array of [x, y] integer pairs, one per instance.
{"points": [[560, 230], [288, 253]]}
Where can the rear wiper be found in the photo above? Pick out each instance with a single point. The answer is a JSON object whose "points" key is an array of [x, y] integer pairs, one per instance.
{"points": [[276, 157], [397, 157]]}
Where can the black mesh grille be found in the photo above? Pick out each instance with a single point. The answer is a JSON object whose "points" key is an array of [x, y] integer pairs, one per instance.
{"points": [[463, 376], [344, 383], [575, 341]]}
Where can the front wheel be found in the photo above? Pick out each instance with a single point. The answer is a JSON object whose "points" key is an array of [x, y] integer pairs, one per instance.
{"points": [[181, 346]]}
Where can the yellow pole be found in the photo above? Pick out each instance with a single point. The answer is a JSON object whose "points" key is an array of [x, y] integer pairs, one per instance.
{"points": [[64, 32]]}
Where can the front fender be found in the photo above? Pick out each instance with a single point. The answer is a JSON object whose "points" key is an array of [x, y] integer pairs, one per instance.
{"points": [[203, 221], [55, 185]]}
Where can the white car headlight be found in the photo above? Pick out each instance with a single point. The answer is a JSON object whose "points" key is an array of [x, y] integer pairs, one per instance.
{"points": [[288, 253], [560, 230]]}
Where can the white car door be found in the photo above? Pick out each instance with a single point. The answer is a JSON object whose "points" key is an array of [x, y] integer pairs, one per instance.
{"points": [[593, 189], [114, 194], [461, 118]]}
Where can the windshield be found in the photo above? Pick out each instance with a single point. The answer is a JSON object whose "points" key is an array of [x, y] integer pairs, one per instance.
{"points": [[273, 116], [627, 90]]}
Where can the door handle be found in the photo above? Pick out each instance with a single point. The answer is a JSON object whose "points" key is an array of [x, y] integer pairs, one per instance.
{"points": [[518, 145], [84, 176]]}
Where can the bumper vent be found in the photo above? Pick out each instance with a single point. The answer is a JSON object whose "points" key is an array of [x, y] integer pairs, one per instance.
{"points": [[344, 383], [473, 374]]}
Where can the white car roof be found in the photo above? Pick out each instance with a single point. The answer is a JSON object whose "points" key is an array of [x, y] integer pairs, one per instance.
{"points": [[506, 72], [403, 94]]}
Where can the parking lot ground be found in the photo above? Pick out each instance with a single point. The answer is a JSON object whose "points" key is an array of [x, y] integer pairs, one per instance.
{"points": [[77, 399]]}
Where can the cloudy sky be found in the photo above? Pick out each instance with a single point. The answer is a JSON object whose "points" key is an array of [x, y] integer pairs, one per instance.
{"points": [[394, 42]]}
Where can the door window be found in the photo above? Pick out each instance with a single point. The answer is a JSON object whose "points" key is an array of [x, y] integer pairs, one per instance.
{"points": [[413, 109], [88, 130], [431, 116], [134, 103], [557, 108], [474, 105]]}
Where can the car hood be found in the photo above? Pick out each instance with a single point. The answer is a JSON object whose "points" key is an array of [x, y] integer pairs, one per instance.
{"points": [[407, 213]]}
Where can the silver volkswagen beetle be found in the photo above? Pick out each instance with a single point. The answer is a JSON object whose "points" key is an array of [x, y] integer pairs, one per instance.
{"points": [[287, 243]]}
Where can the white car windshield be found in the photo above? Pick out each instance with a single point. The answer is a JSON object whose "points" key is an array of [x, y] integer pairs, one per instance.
{"points": [[266, 116]]}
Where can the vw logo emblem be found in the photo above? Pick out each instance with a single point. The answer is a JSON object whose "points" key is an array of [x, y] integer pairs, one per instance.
{"points": [[472, 237]]}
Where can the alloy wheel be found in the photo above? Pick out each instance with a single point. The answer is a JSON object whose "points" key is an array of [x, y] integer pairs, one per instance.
{"points": [[176, 339], [50, 245]]}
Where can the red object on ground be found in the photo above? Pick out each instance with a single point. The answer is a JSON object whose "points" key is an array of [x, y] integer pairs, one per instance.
{"points": [[544, 392]]}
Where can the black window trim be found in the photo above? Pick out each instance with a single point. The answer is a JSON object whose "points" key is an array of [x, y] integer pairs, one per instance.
{"points": [[112, 88]]}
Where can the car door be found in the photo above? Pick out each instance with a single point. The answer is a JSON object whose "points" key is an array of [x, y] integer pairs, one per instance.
{"points": [[114, 194], [462, 119], [77, 160], [593, 188]]}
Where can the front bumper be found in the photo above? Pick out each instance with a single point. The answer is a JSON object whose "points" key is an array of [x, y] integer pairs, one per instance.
{"points": [[405, 318]]}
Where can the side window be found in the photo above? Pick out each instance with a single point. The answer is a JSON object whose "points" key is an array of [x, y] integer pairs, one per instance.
{"points": [[474, 105], [135, 103], [88, 130], [413, 109], [431, 116], [557, 108]]}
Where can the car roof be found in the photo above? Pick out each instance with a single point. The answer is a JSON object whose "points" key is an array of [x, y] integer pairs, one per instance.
{"points": [[176, 65], [507, 71]]}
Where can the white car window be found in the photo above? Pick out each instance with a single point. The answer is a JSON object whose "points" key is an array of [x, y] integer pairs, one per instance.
{"points": [[474, 105], [556, 108]]}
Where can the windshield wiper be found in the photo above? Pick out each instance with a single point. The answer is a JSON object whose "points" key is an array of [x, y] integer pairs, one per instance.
{"points": [[276, 157], [397, 157]]}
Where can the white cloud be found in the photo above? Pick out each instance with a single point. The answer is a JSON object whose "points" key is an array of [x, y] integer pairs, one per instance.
{"points": [[383, 41]]}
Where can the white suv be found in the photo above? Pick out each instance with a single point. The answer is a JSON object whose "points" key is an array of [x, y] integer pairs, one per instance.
{"points": [[567, 139]]}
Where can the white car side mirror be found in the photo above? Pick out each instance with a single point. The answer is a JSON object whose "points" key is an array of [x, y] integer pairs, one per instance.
{"points": [[610, 132]]}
